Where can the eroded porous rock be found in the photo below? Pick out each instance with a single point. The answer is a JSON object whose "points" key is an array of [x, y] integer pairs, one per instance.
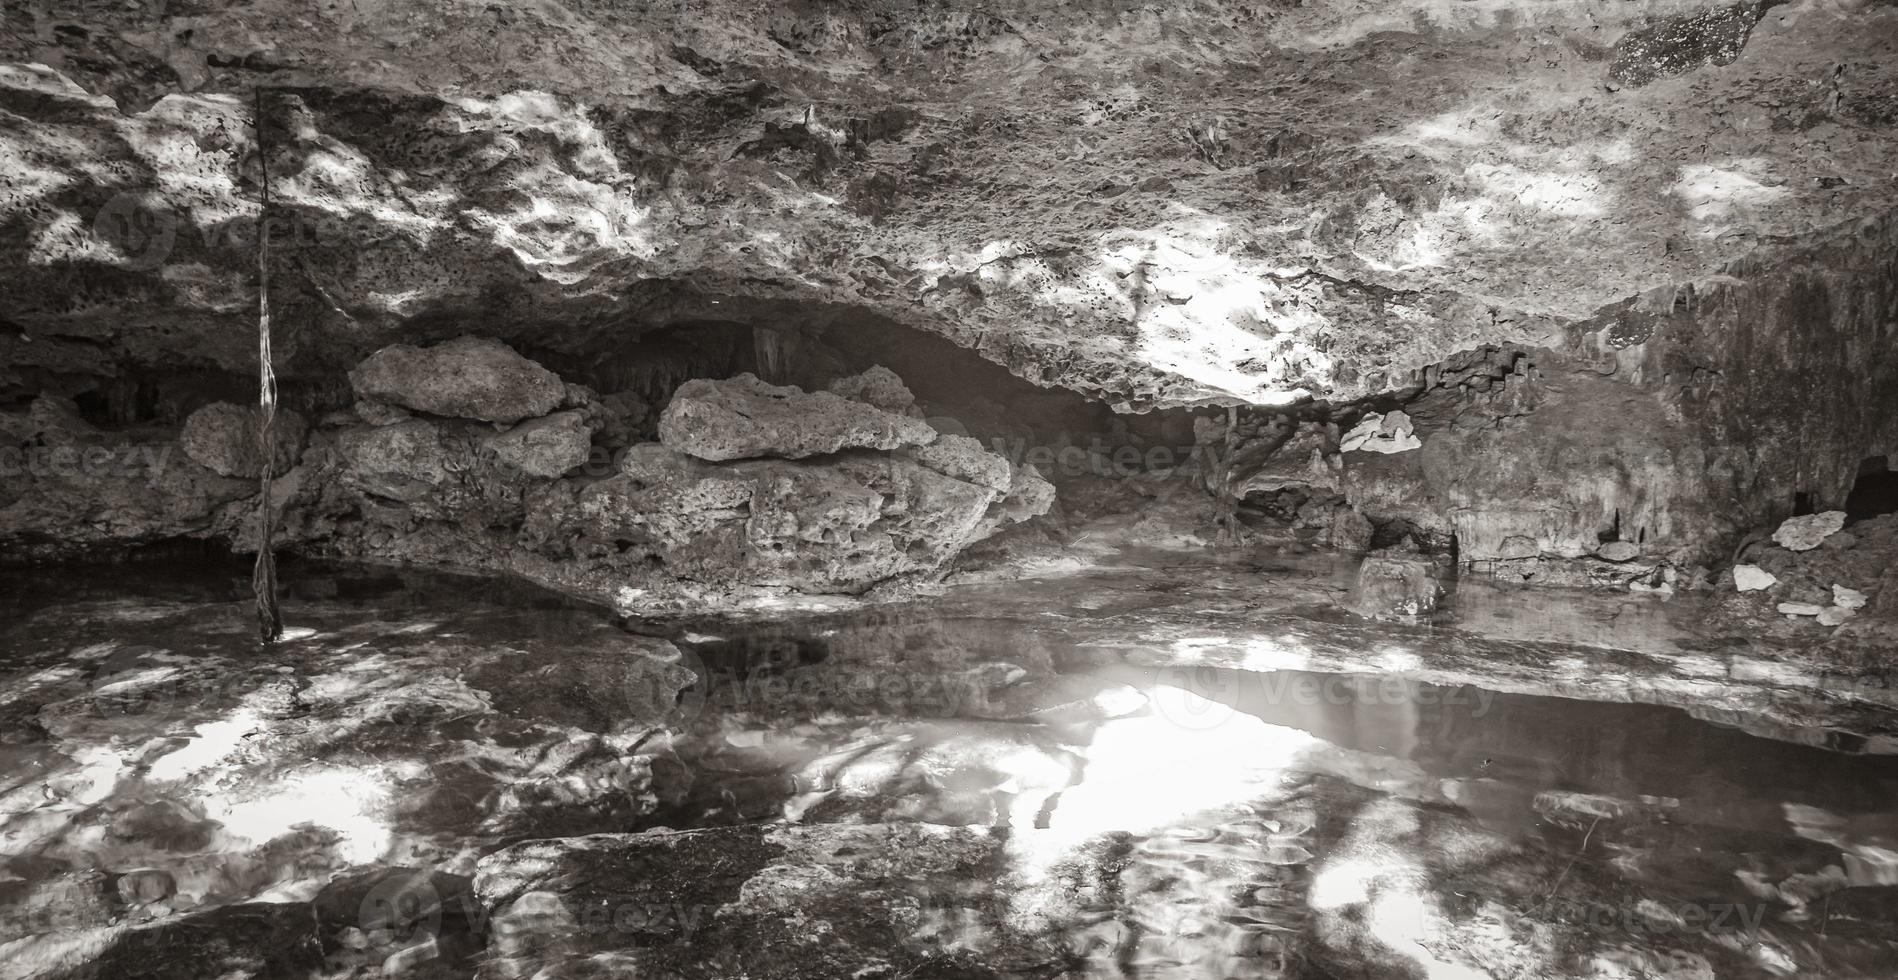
{"points": [[1588, 304], [745, 418], [545, 447], [642, 526], [67, 487], [468, 377], [842, 525], [223, 437], [1308, 458], [416, 463], [879, 386], [1396, 584]]}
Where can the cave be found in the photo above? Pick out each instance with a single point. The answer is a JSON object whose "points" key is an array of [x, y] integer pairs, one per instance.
{"points": [[558, 490], [1874, 491]]}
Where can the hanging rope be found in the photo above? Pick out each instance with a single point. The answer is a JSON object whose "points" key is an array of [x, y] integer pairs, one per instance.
{"points": [[263, 578]]}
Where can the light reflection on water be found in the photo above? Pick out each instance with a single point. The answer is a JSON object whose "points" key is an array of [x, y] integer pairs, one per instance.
{"points": [[1171, 820]]}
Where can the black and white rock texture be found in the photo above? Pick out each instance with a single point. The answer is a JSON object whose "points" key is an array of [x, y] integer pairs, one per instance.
{"points": [[745, 418], [1623, 272], [466, 378]]}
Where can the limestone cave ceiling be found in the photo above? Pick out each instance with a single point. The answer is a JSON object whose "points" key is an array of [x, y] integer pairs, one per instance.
{"points": [[1153, 204]]}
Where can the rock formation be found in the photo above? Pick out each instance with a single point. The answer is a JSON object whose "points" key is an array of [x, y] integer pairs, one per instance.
{"points": [[469, 377], [744, 418], [1586, 296]]}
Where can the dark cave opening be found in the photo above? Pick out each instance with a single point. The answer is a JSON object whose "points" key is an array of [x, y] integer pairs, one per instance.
{"points": [[1875, 492]]}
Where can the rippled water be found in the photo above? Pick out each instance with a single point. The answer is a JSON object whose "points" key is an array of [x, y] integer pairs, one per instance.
{"points": [[1173, 817]]}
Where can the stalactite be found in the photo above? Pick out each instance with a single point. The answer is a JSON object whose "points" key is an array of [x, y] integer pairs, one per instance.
{"points": [[774, 350], [263, 580]]}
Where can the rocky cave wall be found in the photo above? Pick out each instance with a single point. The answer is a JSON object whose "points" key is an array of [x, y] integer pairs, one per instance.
{"points": [[1602, 274], [1675, 421]]}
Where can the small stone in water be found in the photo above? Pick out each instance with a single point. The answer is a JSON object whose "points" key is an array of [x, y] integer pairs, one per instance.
{"points": [[1847, 598], [1800, 608], [1752, 578]]}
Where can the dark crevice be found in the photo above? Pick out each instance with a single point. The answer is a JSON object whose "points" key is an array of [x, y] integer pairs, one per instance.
{"points": [[1875, 492]]}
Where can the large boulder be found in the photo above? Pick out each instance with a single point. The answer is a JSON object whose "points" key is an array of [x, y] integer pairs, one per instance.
{"points": [[1396, 585], [745, 418], [841, 525], [468, 377], [223, 438]]}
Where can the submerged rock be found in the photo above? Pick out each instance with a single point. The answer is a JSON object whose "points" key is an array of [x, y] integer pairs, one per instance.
{"points": [[468, 377], [793, 902], [745, 418], [598, 687], [1395, 585], [1752, 578], [1806, 533]]}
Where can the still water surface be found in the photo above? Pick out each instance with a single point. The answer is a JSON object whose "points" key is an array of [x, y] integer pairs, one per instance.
{"points": [[157, 770]]}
